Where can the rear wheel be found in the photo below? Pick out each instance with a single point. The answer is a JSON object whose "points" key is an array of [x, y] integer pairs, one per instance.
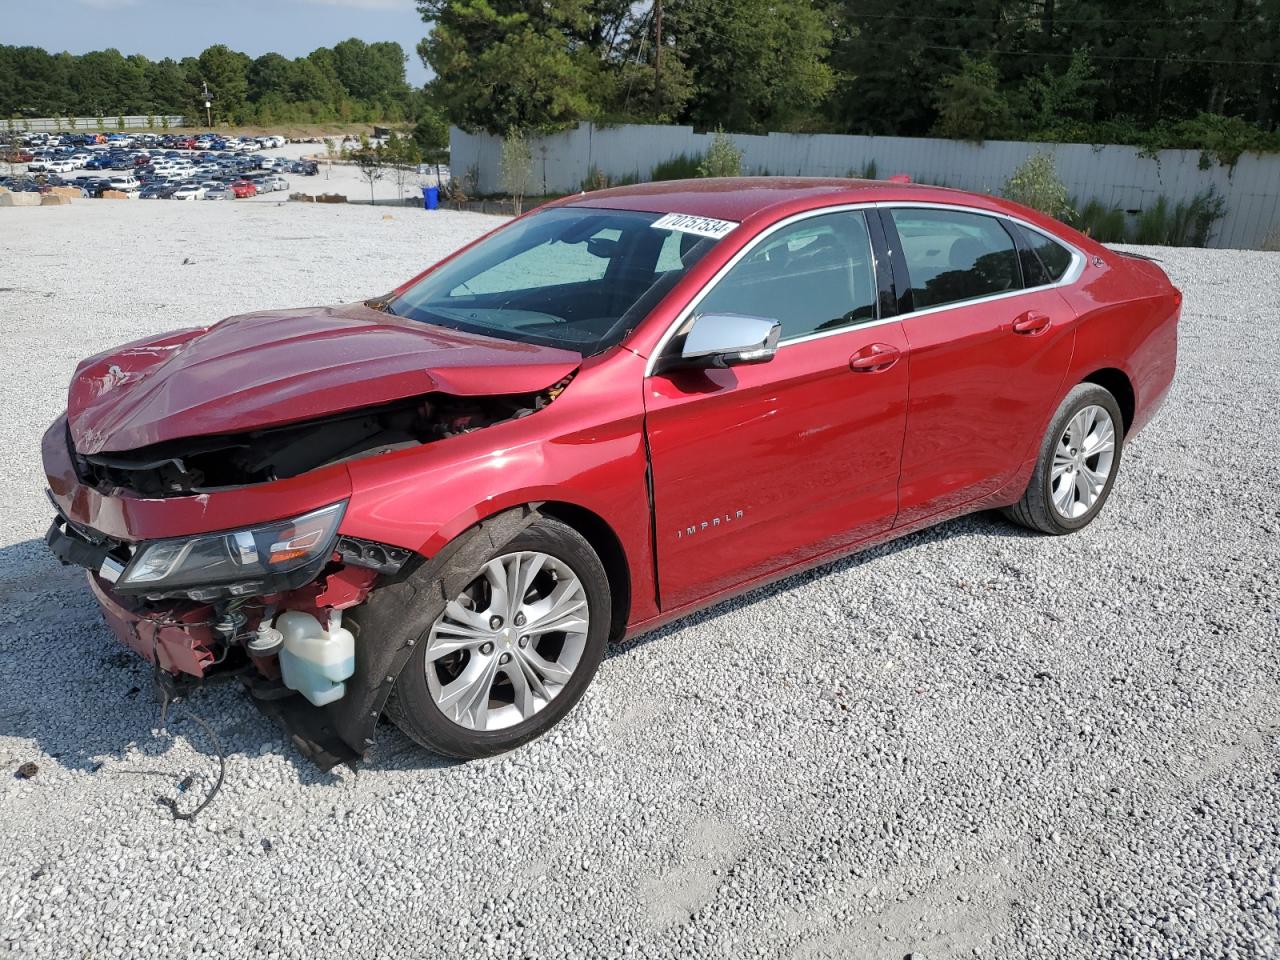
{"points": [[1078, 462], [509, 656]]}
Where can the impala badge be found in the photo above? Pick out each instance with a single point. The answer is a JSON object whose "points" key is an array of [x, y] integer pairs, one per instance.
{"points": [[705, 525]]}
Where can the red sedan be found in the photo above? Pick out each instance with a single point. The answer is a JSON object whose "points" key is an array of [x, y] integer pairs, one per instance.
{"points": [[624, 406], [243, 188]]}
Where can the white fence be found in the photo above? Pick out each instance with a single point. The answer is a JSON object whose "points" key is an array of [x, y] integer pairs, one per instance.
{"points": [[1116, 176], [109, 124]]}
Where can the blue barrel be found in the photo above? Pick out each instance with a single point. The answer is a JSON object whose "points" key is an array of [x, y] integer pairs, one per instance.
{"points": [[430, 198]]}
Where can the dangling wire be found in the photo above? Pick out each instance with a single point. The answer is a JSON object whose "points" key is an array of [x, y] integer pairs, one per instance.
{"points": [[165, 702], [222, 763]]}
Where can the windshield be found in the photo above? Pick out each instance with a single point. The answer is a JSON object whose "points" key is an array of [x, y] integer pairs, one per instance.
{"points": [[568, 277]]}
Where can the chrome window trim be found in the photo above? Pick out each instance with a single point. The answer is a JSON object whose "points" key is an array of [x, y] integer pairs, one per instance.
{"points": [[1071, 275]]}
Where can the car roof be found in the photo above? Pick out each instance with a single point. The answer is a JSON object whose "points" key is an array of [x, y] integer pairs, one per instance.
{"points": [[736, 198], [742, 198]]}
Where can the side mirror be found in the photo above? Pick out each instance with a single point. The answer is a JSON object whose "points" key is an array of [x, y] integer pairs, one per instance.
{"points": [[726, 340]]}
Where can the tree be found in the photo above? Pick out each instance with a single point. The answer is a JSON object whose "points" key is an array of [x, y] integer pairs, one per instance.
{"points": [[431, 133], [370, 71], [970, 105], [227, 73], [371, 162], [755, 65], [1057, 99], [271, 76], [515, 167], [403, 156], [506, 65]]}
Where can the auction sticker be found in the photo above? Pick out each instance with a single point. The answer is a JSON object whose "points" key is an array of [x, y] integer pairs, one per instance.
{"points": [[687, 223]]}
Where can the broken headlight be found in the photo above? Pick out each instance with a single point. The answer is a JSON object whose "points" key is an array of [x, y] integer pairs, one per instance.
{"points": [[254, 560]]}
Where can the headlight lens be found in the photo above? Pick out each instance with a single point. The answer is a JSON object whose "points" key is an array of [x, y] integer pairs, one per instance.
{"points": [[254, 553]]}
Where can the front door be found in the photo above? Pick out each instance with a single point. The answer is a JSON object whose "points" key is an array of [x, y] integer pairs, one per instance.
{"points": [[759, 467]]}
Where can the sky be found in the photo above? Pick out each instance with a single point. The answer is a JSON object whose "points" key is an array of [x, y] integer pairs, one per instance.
{"points": [[181, 28]]}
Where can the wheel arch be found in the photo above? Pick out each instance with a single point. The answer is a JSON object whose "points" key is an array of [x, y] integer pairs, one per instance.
{"points": [[1116, 382], [590, 524], [608, 547]]}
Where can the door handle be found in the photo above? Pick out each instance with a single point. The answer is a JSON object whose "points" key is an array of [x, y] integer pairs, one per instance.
{"points": [[874, 357], [1031, 323]]}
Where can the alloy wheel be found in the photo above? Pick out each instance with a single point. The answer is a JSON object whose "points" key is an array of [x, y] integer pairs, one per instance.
{"points": [[509, 643], [1082, 462]]}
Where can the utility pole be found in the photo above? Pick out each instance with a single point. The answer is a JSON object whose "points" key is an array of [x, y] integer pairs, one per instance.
{"points": [[657, 53], [208, 103]]}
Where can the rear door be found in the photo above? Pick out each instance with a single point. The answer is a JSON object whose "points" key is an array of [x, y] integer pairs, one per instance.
{"points": [[759, 467], [989, 350]]}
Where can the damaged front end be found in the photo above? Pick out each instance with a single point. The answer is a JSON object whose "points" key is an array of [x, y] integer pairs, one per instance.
{"points": [[263, 603], [178, 468]]}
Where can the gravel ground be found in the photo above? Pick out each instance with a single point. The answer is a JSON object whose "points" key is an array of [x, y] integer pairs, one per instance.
{"points": [[972, 742]]}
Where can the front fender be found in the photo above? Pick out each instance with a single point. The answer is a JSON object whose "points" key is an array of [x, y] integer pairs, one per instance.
{"points": [[422, 499], [396, 617]]}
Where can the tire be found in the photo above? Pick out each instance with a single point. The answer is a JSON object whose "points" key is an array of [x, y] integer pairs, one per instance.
{"points": [[1041, 505], [463, 727]]}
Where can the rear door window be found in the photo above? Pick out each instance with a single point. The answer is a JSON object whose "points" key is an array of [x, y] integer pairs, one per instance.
{"points": [[952, 256]]}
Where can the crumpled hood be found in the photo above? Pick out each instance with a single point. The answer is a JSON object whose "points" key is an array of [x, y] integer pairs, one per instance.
{"points": [[266, 369]]}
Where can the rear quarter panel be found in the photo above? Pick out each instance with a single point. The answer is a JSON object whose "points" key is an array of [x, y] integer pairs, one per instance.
{"points": [[1128, 314]]}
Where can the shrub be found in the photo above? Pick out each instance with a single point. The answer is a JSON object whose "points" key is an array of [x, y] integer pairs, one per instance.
{"points": [[1105, 224], [597, 179], [1035, 184], [868, 172], [682, 167], [723, 159], [515, 167], [1186, 225]]}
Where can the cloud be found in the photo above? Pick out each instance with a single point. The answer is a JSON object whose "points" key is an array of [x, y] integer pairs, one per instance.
{"points": [[108, 4], [363, 4]]}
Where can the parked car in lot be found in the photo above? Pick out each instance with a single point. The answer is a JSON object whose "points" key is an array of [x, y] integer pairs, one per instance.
{"points": [[189, 191], [157, 191], [125, 184], [23, 184], [94, 186], [445, 501], [243, 189], [218, 192]]}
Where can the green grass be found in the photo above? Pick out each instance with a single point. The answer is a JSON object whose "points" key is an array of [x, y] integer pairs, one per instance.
{"points": [[1186, 224], [684, 166], [1105, 224]]}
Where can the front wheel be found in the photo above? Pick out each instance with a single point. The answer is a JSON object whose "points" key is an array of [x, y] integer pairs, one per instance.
{"points": [[1078, 462], [509, 656]]}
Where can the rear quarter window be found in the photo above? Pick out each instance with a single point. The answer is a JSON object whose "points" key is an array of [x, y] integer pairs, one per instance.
{"points": [[1044, 260]]}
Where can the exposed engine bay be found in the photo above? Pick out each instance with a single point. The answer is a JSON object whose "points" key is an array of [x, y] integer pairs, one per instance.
{"points": [[199, 464]]}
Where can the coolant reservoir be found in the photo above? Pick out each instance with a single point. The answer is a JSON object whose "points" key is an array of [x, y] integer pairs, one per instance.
{"points": [[314, 659]]}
